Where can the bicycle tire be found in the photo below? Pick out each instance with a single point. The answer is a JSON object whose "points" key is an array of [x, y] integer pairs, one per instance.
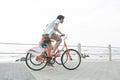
{"points": [[70, 64], [34, 65]]}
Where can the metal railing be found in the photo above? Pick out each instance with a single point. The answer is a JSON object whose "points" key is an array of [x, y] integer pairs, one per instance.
{"points": [[110, 52], [21, 48]]}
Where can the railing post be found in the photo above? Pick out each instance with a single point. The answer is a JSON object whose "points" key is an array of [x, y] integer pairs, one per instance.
{"points": [[79, 47], [110, 53]]}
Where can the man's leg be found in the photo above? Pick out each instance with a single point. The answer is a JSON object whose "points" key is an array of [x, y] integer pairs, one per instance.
{"points": [[50, 47], [58, 40]]}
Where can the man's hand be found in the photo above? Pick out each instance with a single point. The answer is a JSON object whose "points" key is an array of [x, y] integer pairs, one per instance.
{"points": [[62, 35]]}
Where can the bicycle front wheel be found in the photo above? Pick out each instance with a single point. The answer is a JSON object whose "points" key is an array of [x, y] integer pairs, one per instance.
{"points": [[73, 61], [33, 64], [58, 59]]}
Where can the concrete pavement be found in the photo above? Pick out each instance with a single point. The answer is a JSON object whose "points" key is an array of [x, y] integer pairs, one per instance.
{"points": [[88, 70]]}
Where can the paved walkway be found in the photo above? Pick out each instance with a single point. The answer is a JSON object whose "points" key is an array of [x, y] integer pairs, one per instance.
{"points": [[103, 70], [15, 71], [86, 71]]}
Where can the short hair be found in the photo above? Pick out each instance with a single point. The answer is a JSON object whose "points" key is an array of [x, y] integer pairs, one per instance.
{"points": [[60, 17]]}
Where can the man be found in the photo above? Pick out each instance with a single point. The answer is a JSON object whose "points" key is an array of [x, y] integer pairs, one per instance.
{"points": [[50, 33]]}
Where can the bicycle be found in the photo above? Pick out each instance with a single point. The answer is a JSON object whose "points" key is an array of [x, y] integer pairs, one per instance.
{"points": [[70, 58]]}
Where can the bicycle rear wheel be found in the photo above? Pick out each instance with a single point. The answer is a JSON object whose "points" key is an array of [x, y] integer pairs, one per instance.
{"points": [[33, 64], [72, 63]]}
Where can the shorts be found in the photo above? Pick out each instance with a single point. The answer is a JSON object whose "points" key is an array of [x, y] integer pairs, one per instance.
{"points": [[45, 40], [55, 37], [43, 44]]}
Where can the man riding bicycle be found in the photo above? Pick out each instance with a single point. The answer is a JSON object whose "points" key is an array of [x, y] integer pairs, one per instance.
{"points": [[47, 54], [50, 33]]}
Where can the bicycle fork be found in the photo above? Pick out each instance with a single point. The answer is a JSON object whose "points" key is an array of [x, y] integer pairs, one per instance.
{"points": [[68, 52]]}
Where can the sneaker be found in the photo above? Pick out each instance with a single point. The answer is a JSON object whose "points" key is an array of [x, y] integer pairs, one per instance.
{"points": [[50, 64]]}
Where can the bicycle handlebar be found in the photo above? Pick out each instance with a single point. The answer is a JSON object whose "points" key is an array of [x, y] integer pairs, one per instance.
{"points": [[65, 36]]}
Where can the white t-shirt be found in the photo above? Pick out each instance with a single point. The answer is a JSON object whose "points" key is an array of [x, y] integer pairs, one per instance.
{"points": [[50, 28]]}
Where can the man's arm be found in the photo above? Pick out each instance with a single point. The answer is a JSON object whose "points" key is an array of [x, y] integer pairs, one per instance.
{"points": [[56, 28]]}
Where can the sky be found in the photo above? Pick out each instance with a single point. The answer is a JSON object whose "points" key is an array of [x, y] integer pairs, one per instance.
{"points": [[89, 22]]}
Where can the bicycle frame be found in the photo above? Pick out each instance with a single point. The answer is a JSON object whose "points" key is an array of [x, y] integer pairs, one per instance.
{"points": [[48, 51], [68, 53], [64, 46]]}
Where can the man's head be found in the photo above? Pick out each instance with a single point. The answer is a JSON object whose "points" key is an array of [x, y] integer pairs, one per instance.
{"points": [[61, 18]]}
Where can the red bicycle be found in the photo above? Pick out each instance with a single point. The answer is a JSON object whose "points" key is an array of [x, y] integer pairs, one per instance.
{"points": [[70, 58]]}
